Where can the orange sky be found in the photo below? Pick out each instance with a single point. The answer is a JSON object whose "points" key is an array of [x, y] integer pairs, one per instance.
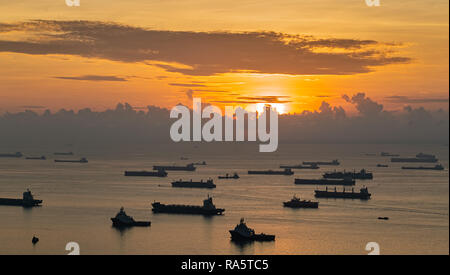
{"points": [[405, 54]]}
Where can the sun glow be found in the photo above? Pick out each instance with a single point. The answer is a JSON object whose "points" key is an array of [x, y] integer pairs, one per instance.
{"points": [[279, 107]]}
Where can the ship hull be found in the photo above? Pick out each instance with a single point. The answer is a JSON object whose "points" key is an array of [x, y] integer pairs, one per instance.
{"points": [[19, 202], [324, 182], [193, 185], [160, 174], [301, 205], [270, 173], [118, 223], [175, 168], [415, 160], [235, 236], [341, 195], [422, 168], [70, 161], [185, 209]]}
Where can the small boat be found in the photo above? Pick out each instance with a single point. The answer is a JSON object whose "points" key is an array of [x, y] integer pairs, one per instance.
{"points": [[34, 240], [123, 220], [242, 233], [227, 176]]}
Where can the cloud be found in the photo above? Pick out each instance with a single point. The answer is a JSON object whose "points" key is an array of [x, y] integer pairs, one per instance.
{"points": [[200, 53], [93, 78], [258, 99], [364, 105], [409, 100], [188, 85]]}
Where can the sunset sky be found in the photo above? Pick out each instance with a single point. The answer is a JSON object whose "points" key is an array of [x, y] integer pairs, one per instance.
{"points": [[295, 53]]}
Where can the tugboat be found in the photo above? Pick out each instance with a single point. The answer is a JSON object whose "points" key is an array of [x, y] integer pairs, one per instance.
{"points": [[333, 162], [188, 167], [361, 175], [26, 201], [15, 155], [194, 184], [362, 195], [297, 203], [285, 172], [123, 220], [438, 167], [159, 173], [300, 166], [82, 160], [345, 181], [37, 158], [243, 233], [208, 208], [227, 176]]}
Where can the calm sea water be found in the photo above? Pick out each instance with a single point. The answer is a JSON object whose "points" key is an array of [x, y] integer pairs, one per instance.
{"points": [[79, 200]]}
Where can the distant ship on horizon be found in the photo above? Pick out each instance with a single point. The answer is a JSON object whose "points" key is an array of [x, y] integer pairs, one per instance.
{"points": [[63, 153], [318, 163], [300, 166], [346, 181], [438, 167], [36, 158], [188, 167], [362, 195], [208, 208], [421, 157], [82, 160], [361, 175], [159, 173], [11, 155], [285, 172]]}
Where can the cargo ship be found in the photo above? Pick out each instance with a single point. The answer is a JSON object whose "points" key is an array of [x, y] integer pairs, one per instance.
{"points": [[362, 195], [346, 181], [300, 166], [297, 203], [123, 220], [159, 173], [26, 201], [82, 160], [437, 167], [11, 155], [242, 233], [421, 157], [333, 162], [285, 172], [37, 158], [361, 175], [188, 167], [227, 176], [194, 184], [208, 208]]}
